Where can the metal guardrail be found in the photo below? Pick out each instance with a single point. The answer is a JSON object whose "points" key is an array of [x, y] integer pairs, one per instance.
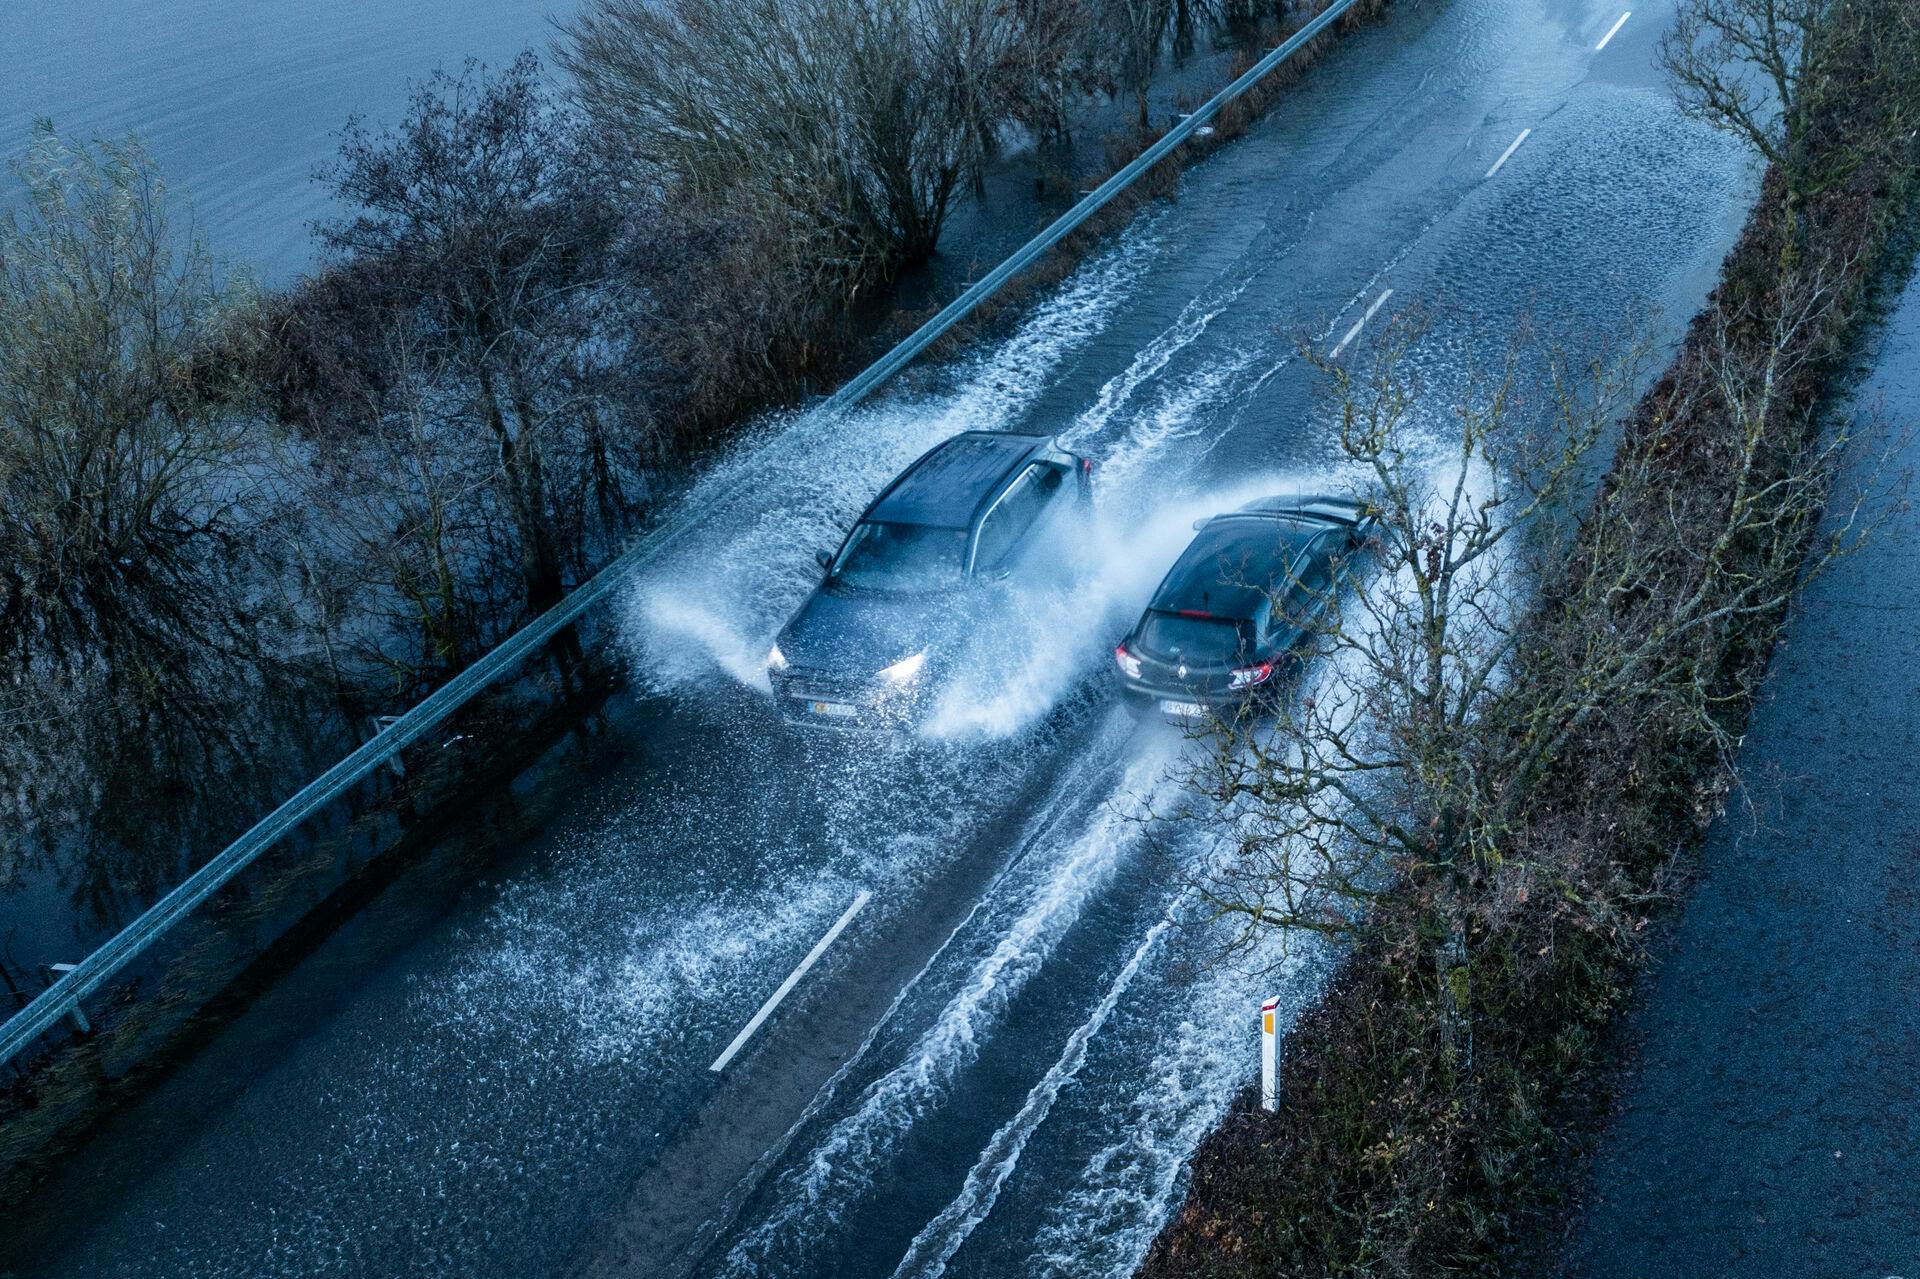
{"points": [[64, 995]]}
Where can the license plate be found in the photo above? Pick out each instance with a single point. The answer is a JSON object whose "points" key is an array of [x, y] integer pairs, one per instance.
{"points": [[1191, 710], [839, 710]]}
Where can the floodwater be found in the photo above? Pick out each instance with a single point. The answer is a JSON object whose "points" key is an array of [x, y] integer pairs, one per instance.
{"points": [[241, 100]]}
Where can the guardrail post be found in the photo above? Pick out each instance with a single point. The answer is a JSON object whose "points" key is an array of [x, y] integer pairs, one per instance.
{"points": [[80, 1022], [381, 723]]}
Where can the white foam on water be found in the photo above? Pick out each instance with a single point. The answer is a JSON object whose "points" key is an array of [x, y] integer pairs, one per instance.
{"points": [[659, 984], [1180, 410], [717, 600], [1188, 327], [842, 1167], [1198, 1044], [936, 1243]]}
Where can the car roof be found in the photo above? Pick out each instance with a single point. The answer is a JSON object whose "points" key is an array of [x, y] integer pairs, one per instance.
{"points": [[1332, 510], [947, 486], [1231, 563]]}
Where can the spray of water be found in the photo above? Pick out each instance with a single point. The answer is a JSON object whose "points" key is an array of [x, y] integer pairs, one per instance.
{"points": [[1050, 639], [1043, 906], [717, 603]]}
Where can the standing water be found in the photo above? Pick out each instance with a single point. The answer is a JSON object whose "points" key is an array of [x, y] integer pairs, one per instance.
{"points": [[240, 101]]}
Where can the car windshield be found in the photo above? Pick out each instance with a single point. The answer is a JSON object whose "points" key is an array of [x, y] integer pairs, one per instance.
{"points": [[1194, 639], [901, 557]]}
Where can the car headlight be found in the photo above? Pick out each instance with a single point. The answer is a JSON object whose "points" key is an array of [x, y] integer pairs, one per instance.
{"points": [[903, 671], [776, 660]]}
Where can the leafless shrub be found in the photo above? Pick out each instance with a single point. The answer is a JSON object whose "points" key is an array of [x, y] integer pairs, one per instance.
{"points": [[1445, 687], [467, 378], [849, 123], [136, 602]]}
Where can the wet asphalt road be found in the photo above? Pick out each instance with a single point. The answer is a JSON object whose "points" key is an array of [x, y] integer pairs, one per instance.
{"points": [[1003, 1062], [1771, 1126]]}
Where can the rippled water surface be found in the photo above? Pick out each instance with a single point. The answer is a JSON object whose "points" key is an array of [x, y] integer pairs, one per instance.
{"points": [[240, 100]]}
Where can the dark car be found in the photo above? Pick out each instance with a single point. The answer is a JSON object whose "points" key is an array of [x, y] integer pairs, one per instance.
{"points": [[912, 576], [1245, 592]]}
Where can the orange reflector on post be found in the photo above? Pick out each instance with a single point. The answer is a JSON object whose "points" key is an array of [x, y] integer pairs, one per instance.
{"points": [[1269, 1098]]}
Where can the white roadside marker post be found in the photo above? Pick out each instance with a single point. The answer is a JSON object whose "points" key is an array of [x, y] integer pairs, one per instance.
{"points": [[1269, 1089]]}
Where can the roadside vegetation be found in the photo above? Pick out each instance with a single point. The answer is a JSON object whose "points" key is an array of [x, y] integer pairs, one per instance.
{"points": [[1527, 721], [137, 608]]}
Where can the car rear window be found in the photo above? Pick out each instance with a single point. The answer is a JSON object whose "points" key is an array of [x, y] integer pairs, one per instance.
{"points": [[1228, 569], [901, 557], [1194, 639]]}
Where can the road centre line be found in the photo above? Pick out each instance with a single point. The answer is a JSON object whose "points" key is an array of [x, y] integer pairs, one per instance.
{"points": [[786, 987], [1359, 324], [1508, 153], [1607, 39]]}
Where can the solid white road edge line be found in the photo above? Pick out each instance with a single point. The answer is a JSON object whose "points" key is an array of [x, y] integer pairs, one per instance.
{"points": [[1359, 324], [786, 987], [1508, 153], [1613, 31]]}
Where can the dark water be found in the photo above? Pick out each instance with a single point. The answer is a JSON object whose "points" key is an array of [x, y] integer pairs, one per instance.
{"points": [[239, 100], [472, 1083]]}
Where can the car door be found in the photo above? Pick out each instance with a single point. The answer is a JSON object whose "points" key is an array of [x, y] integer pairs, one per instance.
{"points": [[1018, 519], [1314, 575]]}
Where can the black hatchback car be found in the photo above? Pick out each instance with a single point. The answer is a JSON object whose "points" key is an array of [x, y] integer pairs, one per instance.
{"points": [[1240, 598], [902, 590]]}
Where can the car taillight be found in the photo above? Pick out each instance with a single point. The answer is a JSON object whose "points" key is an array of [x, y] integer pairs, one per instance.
{"points": [[1086, 466], [1129, 664], [1248, 676]]}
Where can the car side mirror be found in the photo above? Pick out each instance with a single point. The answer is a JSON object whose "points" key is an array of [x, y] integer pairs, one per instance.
{"points": [[823, 559], [1201, 523]]}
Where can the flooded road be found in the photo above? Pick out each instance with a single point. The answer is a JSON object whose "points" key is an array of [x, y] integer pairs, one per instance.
{"points": [[1001, 1065]]}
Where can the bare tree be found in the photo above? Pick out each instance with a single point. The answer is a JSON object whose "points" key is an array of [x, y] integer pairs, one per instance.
{"points": [[1393, 762], [398, 522], [1443, 686], [848, 122], [1777, 72], [136, 602], [486, 215]]}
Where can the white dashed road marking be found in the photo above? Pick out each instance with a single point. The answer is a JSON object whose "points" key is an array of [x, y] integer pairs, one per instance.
{"points": [[786, 987], [1359, 324], [1508, 153]]}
